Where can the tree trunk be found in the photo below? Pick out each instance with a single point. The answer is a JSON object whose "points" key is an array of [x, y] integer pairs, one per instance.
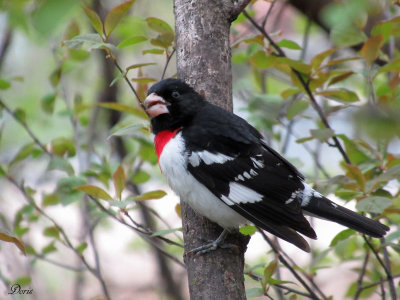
{"points": [[204, 61]]}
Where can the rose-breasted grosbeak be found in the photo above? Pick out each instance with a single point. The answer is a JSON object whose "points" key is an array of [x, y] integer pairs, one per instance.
{"points": [[223, 168]]}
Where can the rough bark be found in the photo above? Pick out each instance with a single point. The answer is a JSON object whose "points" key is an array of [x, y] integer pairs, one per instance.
{"points": [[204, 61]]}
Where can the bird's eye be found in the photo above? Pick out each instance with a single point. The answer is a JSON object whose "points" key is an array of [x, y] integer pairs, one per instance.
{"points": [[175, 94]]}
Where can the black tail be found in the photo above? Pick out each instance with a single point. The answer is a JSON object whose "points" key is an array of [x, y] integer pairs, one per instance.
{"points": [[324, 208]]}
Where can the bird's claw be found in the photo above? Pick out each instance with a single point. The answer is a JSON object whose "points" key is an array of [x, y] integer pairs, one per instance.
{"points": [[211, 246]]}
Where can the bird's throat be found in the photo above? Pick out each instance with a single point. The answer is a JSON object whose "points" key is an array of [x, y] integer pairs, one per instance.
{"points": [[162, 138]]}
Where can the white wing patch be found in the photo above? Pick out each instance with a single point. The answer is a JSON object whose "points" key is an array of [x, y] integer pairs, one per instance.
{"points": [[257, 163], [246, 175], [239, 194], [208, 158], [307, 193]]}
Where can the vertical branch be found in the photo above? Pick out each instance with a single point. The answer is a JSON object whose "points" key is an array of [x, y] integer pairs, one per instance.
{"points": [[204, 61]]}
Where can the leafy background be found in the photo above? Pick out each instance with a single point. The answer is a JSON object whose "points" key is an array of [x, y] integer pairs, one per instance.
{"points": [[79, 212]]}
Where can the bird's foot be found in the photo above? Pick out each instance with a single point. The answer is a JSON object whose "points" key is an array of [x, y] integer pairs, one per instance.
{"points": [[212, 245]]}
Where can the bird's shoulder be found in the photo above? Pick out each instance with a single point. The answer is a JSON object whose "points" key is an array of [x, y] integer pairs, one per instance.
{"points": [[219, 130]]}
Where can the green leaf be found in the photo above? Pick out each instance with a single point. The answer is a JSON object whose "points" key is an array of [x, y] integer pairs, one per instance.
{"points": [[343, 235], [353, 151], [49, 248], [139, 66], [393, 66], [23, 281], [247, 230], [289, 44], [323, 134], [254, 292], [20, 115], [163, 40], [115, 16], [268, 272], [159, 25], [289, 92], [144, 80], [297, 65], [81, 247], [60, 163], [166, 231], [347, 194], [305, 139], [95, 20], [365, 293], [52, 231], [94, 191], [153, 51], [50, 199], [393, 236], [261, 60], [118, 77], [128, 130], [374, 204], [341, 95], [4, 84], [319, 58], [66, 189], [296, 108], [340, 77], [23, 153], [344, 35], [124, 108], [47, 103], [77, 41], [131, 41], [119, 179], [11, 239], [61, 146], [141, 177], [157, 194]]}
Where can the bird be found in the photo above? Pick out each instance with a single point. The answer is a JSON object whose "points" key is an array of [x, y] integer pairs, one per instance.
{"points": [[223, 168]]}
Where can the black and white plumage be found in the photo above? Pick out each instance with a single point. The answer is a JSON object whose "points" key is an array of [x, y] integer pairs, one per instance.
{"points": [[222, 167]]}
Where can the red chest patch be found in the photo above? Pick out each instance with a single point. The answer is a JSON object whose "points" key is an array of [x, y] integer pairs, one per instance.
{"points": [[162, 138]]}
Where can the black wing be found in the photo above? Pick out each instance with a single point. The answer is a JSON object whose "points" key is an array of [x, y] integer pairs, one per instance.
{"points": [[247, 175]]}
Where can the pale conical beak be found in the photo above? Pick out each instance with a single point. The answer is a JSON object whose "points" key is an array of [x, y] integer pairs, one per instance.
{"points": [[156, 105]]}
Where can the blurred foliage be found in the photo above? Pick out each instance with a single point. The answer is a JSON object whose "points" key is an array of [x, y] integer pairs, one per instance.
{"points": [[61, 148]]}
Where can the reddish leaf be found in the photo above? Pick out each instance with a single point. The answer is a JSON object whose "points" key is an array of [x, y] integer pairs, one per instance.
{"points": [[94, 191], [95, 20], [157, 194], [119, 179], [10, 239], [115, 16], [371, 48]]}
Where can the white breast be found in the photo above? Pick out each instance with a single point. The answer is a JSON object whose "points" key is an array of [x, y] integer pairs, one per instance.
{"points": [[173, 163]]}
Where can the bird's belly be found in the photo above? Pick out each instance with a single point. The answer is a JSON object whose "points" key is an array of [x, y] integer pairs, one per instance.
{"points": [[173, 165]]}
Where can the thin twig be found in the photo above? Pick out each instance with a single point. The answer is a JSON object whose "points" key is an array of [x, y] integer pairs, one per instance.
{"points": [[114, 59], [305, 85], [142, 234], [289, 267], [25, 126], [361, 276], [67, 241], [59, 264], [370, 285], [281, 286], [389, 274], [271, 6], [169, 56]]}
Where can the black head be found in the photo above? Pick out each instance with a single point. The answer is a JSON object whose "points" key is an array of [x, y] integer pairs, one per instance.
{"points": [[172, 104]]}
